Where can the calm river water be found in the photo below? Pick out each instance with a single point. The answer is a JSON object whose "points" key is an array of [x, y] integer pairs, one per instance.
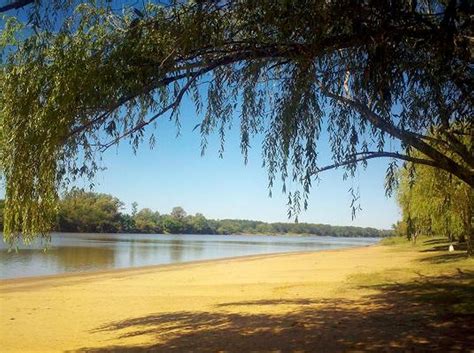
{"points": [[70, 252]]}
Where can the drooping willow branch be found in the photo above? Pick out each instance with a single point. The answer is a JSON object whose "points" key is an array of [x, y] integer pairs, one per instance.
{"points": [[15, 5], [364, 156], [441, 160]]}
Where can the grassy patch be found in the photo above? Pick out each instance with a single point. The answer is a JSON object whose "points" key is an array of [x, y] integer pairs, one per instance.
{"points": [[376, 278], [394, 241], [434, 277]]}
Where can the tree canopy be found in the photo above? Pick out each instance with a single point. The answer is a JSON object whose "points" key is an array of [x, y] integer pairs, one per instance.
{"points": [[81, 211], [369, 73], [434, 202]]}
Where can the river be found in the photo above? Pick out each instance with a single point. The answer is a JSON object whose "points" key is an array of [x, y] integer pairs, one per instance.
{"points": [[74, 252]]}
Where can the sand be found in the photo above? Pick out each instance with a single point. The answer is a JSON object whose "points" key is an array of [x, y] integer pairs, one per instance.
{"points": [[285, 302]]}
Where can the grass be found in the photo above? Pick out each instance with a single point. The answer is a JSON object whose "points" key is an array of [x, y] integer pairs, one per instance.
{"points": [[394, 241], [435, 277]]}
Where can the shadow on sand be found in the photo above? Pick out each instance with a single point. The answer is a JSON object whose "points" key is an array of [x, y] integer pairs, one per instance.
{"points": [[432, 314], [444, 258]]}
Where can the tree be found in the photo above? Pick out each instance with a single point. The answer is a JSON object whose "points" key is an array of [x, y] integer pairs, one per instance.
{"points": [[370, 72], [178, 212], [127, 223], [147, 221], [81, 211], [199, 224], [2, 206], [435, 202], [264, 228], [134, 208], [172, 225]]}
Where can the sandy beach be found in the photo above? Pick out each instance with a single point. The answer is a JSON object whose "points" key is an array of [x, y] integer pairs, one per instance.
{"points": [[303, 302]]}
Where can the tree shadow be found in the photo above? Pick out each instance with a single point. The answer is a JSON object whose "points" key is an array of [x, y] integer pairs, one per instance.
{"points": [[302, 301], [444, 258], [445, 246], [435, 241], [432, 314], [444, 295]]}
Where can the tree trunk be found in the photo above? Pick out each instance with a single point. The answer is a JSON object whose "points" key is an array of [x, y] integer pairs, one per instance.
{"points": [[468, 220], [470, 235]]}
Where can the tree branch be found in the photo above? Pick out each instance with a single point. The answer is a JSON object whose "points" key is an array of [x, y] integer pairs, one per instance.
{"points": [[363, 156], [172, 106], [121, 102], [265, 52], [15, 5], [441, 160]]}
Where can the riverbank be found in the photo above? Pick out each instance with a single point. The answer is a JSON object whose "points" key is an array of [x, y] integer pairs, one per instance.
{"points": [[373, 298]]}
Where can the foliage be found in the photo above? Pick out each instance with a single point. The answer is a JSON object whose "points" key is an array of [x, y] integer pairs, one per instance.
{"points": [[368, 72], [127, 223], [147, 221], [173, 225], [81, 211], [198, 224], [89, 212], [394, 240], [434, 202], [178, 212]]}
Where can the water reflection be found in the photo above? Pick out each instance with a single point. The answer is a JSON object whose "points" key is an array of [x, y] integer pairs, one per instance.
{"points": [[71, 252], [33, 262]]}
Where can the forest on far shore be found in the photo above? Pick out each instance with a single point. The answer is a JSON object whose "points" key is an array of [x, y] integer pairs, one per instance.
{"points": [[90, 212]]}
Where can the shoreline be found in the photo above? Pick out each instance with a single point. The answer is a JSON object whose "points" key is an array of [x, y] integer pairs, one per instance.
{"points": [[151, 268]]}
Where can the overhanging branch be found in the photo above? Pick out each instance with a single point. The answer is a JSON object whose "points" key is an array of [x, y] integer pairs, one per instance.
{"points": [[363, 156], [15, 5], [412, 139]]}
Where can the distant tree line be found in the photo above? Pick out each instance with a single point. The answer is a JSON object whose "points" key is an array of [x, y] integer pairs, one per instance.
{"points": [[81, 211]]}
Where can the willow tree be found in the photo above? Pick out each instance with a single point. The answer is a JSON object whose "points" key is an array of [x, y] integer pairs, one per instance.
{"points": [[369, 72], [434, 202]]}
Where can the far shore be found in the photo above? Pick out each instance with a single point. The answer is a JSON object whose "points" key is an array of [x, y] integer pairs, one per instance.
{"points": [[357, 299], [229, 235]]}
